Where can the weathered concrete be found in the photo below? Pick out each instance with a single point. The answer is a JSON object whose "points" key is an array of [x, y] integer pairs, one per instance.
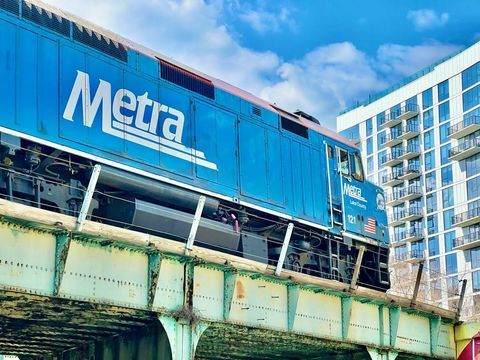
{"points": [[69, 295]]}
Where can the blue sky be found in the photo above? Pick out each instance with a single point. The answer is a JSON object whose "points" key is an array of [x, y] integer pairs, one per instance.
{"points": [[318, 56]]}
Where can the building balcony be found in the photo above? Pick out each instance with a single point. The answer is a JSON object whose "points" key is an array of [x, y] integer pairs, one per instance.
{"points": [[415, 233], [392, 179], [410, 172], [467, 218], [396, 219], [392, 138], [465, 127], [413, 257], [469, 241], [395, 198], [411, 214], [410, 193], [410, 131], [393, 158], [410, 152], [465, 150], [404, 113]]}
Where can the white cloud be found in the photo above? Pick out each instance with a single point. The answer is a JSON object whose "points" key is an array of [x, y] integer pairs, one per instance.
{"points": [[264, 21], [427, 19], [322, 82]]}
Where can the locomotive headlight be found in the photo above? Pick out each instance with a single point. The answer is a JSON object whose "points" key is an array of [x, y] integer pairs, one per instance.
{"points": [[380, 202]]}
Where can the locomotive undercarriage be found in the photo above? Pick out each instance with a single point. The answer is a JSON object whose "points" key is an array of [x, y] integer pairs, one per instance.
{"points": [[47, 178]]}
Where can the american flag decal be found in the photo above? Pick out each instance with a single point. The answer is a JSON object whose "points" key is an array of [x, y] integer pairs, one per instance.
{"points": [[370, 226]]}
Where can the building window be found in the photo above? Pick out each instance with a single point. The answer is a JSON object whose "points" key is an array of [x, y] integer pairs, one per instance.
{"points": [[451, 262], [428, 119], [444, 154], [472, 165], [430, 181], [444, 111], [443, 92], [427, 98], [449, 241], [428, 140], [432, 224], [380, 137], [369, 127], [444, 133], [434, 267], [381, 156], [447, 219], [473, 188], [370, 165], [433, 248], [475, 258], [447, 175], [476, 281], [471, 98], [430, 160], [380, 120], [447, 197], [431, 203], [412, 101], [369, 146], [470, 76]]}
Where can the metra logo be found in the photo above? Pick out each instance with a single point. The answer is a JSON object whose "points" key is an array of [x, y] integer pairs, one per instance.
{"points": [[133, 127], [353, 192]]}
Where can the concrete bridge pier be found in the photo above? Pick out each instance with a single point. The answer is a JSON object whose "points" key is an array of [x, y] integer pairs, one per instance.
{"points": [[377, 354]]}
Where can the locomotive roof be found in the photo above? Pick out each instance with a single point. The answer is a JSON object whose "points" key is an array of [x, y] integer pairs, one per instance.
{"points": [[216, 82]]}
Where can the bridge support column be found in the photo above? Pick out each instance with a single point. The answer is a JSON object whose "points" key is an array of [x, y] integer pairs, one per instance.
{"points": [[183, 336], [377, 354]]}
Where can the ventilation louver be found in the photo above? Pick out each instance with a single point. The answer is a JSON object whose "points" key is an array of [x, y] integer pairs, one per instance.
{"points": [[99, 42], [186, 79], [10, 6], [257, 111], [45, 18]]}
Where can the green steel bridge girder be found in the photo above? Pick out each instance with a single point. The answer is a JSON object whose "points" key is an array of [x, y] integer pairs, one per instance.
{"points": [[200, 305]]}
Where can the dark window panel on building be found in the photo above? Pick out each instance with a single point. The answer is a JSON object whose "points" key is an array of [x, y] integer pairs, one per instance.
{"points": [[369, 127], [470, 76], [380, 137], [428, 119], [444, 132], [447, 175], [428, 140], [447, 197], [412, 101], [434, 266], [444, 159], [431, 203], [475, 258], [443, 92], [472, 165], [370, 166], [444, 111], [369, 146], [471, 98], [431, 181], [476, 281], [427, 98], [451, 264], [473, 188], [352, 133], [380, 120], [447, 219], [449, 240], [432, 224], [429, 160]]}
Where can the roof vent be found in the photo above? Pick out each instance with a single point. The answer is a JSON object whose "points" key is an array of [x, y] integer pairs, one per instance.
{"points": [[99, 42], [294, 127], [186, 79], [10, 6], [307, 116], [45, 18]]}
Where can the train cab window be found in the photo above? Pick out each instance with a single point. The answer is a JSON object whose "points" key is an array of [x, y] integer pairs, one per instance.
{"points": [[343, 163], [357, 167]]}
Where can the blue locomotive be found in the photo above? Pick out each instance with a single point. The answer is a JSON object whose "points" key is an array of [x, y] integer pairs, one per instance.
{"points": [[72, 96]]}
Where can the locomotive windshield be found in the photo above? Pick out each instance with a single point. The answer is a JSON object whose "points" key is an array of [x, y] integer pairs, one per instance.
{"points": [[350, 165]]}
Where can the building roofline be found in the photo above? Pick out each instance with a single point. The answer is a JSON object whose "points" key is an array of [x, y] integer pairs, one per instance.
{"points": [[409, 79]]}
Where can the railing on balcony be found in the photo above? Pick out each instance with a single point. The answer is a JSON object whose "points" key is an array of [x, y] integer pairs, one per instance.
{"points": [[394, 178], [466, 149], [392, 139], [467, 218], [411, 171], [394, 198], [412, 213], [393, 158], [405, 112], [411, 192], [415, 233], [410, 151], [468, 241], [465, 127], [409, 131], [410, 256]]}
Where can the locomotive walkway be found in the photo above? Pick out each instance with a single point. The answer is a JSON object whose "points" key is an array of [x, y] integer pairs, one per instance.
{"points": [[110, 293]]}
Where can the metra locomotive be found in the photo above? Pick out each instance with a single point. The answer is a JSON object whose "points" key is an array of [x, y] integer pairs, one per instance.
{"points": [[72, 96]]}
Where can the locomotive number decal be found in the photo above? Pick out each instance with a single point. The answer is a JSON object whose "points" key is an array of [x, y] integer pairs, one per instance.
{"points": [[135, 127]]}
